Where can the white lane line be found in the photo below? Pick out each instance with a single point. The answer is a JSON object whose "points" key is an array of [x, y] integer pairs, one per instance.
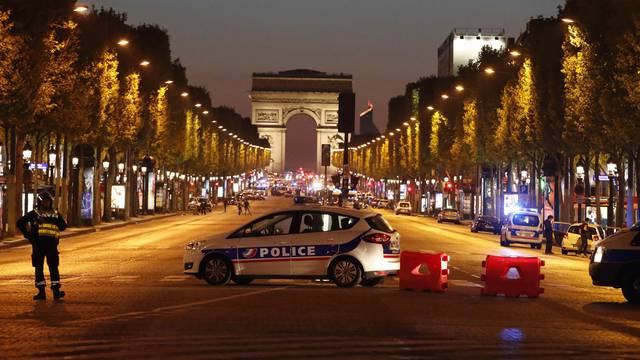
{"points": [[466, 272], [175, 278], [175, 307], [464, 283], [124, 278]]}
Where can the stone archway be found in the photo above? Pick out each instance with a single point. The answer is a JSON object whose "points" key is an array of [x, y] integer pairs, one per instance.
{"points": [[277, 97]]}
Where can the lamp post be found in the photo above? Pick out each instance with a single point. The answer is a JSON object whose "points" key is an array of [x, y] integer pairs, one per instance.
{"points": [[579, 190], [612, 170], [106, 213], [52, 163], [26, 156]]}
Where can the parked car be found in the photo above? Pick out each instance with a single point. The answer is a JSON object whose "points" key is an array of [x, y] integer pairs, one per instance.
{"points": [[404, 207], [382, 204], [571, 241], [522, 227], [451, 215], [486, 223]]}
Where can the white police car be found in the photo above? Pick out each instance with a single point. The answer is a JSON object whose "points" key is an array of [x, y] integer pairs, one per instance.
{"points": [[522, 227], [615, 262], [349, 247]]}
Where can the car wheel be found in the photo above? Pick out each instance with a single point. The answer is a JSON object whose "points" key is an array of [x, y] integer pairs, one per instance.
{"points": [[345, 272], [473, 230], [564, 252], [533, 246], [372, 282], [539, 246], [631, 287], [217, 271], [241, 280]]}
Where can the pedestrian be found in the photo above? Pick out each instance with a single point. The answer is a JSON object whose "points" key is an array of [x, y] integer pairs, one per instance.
{"points": [[247, 207], [548, 235], [42, 227], [224, 202], [239, 203], [584, 236]]}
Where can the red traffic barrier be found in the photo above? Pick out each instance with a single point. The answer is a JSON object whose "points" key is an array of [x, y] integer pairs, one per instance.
{"points": [[512, 276], [424, 271]]}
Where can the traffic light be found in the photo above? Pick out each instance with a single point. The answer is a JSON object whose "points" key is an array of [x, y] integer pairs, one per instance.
{"points": [[409, 189], [326, 154], [346, 112], [448, 187]]}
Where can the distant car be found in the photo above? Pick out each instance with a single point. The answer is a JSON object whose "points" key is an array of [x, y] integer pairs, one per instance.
{"points": [[382, 204], [347, 246], [571, 240], [451, 215], [486, 223], [404, 207], [522, 227]]}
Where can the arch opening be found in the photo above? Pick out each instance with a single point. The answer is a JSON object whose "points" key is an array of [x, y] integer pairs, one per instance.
{"points": [[301, 143]]}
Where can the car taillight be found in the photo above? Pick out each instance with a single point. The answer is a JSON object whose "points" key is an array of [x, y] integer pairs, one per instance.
{"points": [[377, 238]]}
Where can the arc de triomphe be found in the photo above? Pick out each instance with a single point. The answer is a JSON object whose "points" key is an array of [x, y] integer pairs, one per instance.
{"points": [[277, 97]]}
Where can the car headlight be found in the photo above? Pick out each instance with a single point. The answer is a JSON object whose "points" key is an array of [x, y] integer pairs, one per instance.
{"points": [[597, 257], [195, 245]]}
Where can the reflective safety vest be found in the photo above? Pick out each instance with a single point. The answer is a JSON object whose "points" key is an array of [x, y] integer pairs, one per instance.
{"points": [[47, 224]]}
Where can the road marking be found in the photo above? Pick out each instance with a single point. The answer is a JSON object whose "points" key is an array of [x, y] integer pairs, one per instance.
{"points": [[175, 278], [174, 307], [464, 283], [465, 272], [124, 278]]}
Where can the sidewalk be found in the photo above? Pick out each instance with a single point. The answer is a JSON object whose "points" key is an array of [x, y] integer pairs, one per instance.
{"points": [[77, 231]]}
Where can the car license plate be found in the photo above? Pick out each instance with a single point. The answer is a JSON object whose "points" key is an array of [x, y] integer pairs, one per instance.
{"points": [[526, 233]]}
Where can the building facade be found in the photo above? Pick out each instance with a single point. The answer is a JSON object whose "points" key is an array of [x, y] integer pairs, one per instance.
{"points": [[464, 45]]}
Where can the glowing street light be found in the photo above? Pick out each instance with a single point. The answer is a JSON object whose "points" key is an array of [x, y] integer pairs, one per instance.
{"points": [[405, 123], [144, 63], [169, 82], [398, 129], [459, 88], [184, 94], [81, 9], [515, 53], [391, 133], [205, 112], [123, 42], [567, 20], [198, 105], [444, 96], [430, 108], [413, 118], [489, 71]]}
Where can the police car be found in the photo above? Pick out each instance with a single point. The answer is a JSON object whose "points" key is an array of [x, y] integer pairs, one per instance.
{"points": [[522, 227], [615, 262], [348, 246]]}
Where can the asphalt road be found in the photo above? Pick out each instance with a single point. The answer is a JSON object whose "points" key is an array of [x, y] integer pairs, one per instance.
{"points": [[127, 298]]}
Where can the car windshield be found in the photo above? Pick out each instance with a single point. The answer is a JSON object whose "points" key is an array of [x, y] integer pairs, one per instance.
{"points": [[525, 220], [379, 223], [404, 205]]}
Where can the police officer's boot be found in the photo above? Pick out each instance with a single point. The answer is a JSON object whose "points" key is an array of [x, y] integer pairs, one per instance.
{"points": [[41, 295], [57, 294]]}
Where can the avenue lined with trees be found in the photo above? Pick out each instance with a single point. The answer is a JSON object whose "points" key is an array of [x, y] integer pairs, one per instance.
{"points": [[89, 102], [556, 111]]}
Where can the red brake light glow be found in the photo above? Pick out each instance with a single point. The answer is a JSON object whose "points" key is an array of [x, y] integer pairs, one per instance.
{"points": [[377, 238]]}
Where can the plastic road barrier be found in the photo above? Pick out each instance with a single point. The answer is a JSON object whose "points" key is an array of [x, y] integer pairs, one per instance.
{"points": [[424, 271], [512, 276]]}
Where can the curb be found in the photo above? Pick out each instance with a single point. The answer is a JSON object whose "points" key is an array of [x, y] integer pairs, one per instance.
{"points": [[83, 231]]}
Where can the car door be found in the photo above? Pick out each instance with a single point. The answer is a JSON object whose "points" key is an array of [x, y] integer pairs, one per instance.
{"points": [[264, 246], [319, 234], [573, 237]]}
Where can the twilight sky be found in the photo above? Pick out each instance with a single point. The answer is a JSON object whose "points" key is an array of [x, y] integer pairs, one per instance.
{"points": [[383, 43]]}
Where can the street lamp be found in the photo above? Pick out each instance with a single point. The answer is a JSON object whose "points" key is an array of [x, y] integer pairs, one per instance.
{"points": [[52, 162], [75, 161], [489, 71], [120, 167], [612, 170], [105, 164], [567, 20], [144, 63], [143, 169], [459, 88], [123, 42], [81, 9], [579, 190], [26, 152]]}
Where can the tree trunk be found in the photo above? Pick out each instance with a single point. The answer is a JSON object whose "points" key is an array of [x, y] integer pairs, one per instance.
{"points": [[621, 193], [97, 193], [596, 171], [63, 163], [630, 214], [571, 190]]}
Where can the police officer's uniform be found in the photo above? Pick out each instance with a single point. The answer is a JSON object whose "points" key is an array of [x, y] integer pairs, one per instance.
{"points": [[42, 227]]}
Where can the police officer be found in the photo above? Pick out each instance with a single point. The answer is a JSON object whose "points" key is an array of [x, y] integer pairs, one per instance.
{"points": [[42, 227]]}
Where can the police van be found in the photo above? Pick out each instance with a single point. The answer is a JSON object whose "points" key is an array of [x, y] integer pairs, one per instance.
{"points": [[522, 227], [347, 246], [615, 262]]}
